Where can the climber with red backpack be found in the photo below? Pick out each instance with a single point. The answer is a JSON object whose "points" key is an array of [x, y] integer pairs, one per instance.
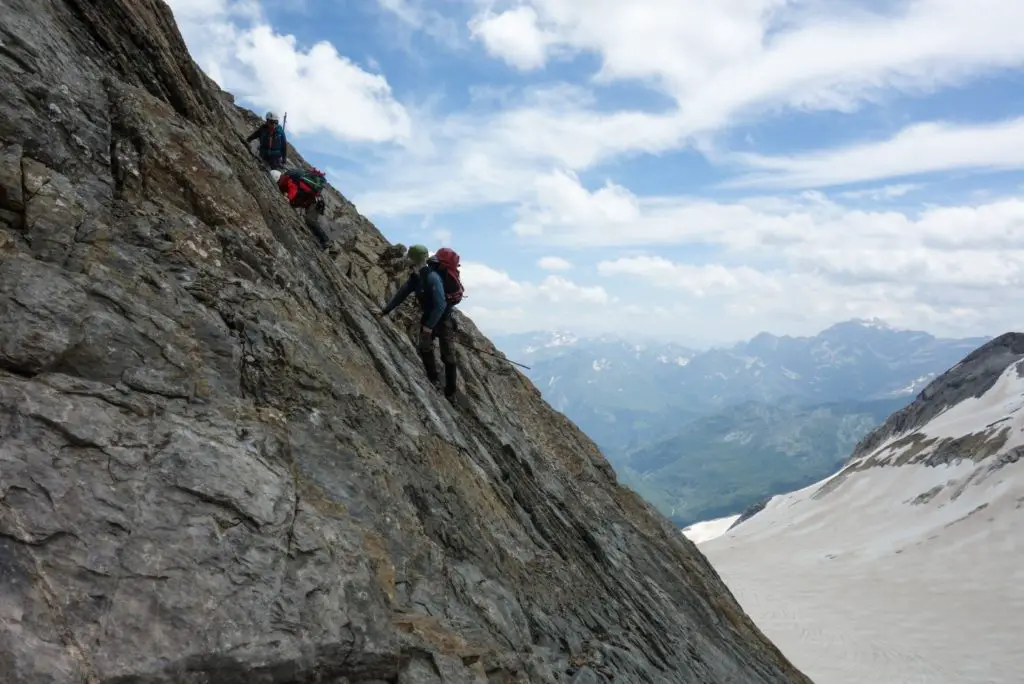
{"points": [[438, 287], [302, 187]]}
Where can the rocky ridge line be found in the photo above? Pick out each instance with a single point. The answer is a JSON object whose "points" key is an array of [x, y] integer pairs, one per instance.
{"points": [[972, 377]]}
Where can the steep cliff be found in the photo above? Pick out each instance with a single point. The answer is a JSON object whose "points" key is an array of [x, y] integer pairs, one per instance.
{"points": [[217, 466]]}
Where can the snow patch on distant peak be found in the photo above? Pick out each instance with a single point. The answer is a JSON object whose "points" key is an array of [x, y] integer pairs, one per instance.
{"points": [[876, 323], [748, 361], [561, 339], [914, 387], [792, 375], [741, 436]]}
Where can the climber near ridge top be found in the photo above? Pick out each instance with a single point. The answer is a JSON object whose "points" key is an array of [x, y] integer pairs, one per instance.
{"points": [[438, 288], [273, 143]]}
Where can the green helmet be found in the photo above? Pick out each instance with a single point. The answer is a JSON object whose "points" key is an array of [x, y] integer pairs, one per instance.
{"points": [[418, 254]]}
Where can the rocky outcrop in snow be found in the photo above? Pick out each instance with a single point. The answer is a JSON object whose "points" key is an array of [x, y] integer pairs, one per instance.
{"points": [[217, 466], [963, 386], [905, 565]]}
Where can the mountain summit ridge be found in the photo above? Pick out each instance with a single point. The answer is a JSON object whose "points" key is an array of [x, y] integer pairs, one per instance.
{"points": [[217, 465], [972, 377]]}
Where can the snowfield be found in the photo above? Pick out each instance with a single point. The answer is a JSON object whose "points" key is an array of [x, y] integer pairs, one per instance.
{"points": [[709, 529], [896, 574]]}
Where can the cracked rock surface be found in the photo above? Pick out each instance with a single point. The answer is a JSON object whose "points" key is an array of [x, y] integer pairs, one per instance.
{"points": [[217, 466]]}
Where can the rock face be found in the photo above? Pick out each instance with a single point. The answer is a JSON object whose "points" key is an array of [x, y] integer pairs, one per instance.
{"points": [[217, 466], [975, 375]]}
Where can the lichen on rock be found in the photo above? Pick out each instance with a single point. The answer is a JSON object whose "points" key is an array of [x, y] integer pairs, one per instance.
{"points": [[216, 465]]}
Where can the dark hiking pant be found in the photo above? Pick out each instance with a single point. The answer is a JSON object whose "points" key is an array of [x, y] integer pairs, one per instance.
{"points": [[272, 160], [445, 334], [313, 222]]}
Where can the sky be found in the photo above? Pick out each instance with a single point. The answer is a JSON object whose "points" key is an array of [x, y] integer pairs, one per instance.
{"points": [[700, 170]]}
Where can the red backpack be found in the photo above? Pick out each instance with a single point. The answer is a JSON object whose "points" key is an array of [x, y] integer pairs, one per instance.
{"points": [[448, 264]]}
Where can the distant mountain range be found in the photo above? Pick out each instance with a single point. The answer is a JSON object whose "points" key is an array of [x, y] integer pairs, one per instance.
{"points": [[706, 432], [619, 393], [719, 464]]}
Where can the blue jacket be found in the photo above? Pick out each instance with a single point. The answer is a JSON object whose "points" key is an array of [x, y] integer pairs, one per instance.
{"points": [[429, 288], [275, 145]]}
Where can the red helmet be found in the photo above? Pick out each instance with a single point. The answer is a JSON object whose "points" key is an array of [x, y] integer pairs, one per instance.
{"points": [[447, 257]]}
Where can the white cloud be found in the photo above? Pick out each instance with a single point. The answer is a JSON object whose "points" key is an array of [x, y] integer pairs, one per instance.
{"points": [[473, 160], [492, 284], [553, 263], [880, 194], [499, 303], [499, 286], [561, 290], [563, 212], [732, 301], [789, 264], [513, 36], [722, 62], [415, 14], [321, 90], [801, 261], [742, 301], [920, 148], [718, 57], [694, 280]]}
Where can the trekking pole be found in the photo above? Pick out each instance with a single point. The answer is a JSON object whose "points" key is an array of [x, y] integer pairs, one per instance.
{"points": [[484, 351]]}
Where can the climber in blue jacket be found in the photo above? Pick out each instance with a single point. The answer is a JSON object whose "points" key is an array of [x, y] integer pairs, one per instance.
{"points": [[273, 143], [427, 280]]}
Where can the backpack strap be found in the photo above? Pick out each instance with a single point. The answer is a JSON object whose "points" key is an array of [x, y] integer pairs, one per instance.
{"points": [[454, 292]]}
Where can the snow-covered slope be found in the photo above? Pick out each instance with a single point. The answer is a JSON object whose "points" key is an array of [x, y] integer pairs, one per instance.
{"points": [[705, 531], [907, 565]]}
